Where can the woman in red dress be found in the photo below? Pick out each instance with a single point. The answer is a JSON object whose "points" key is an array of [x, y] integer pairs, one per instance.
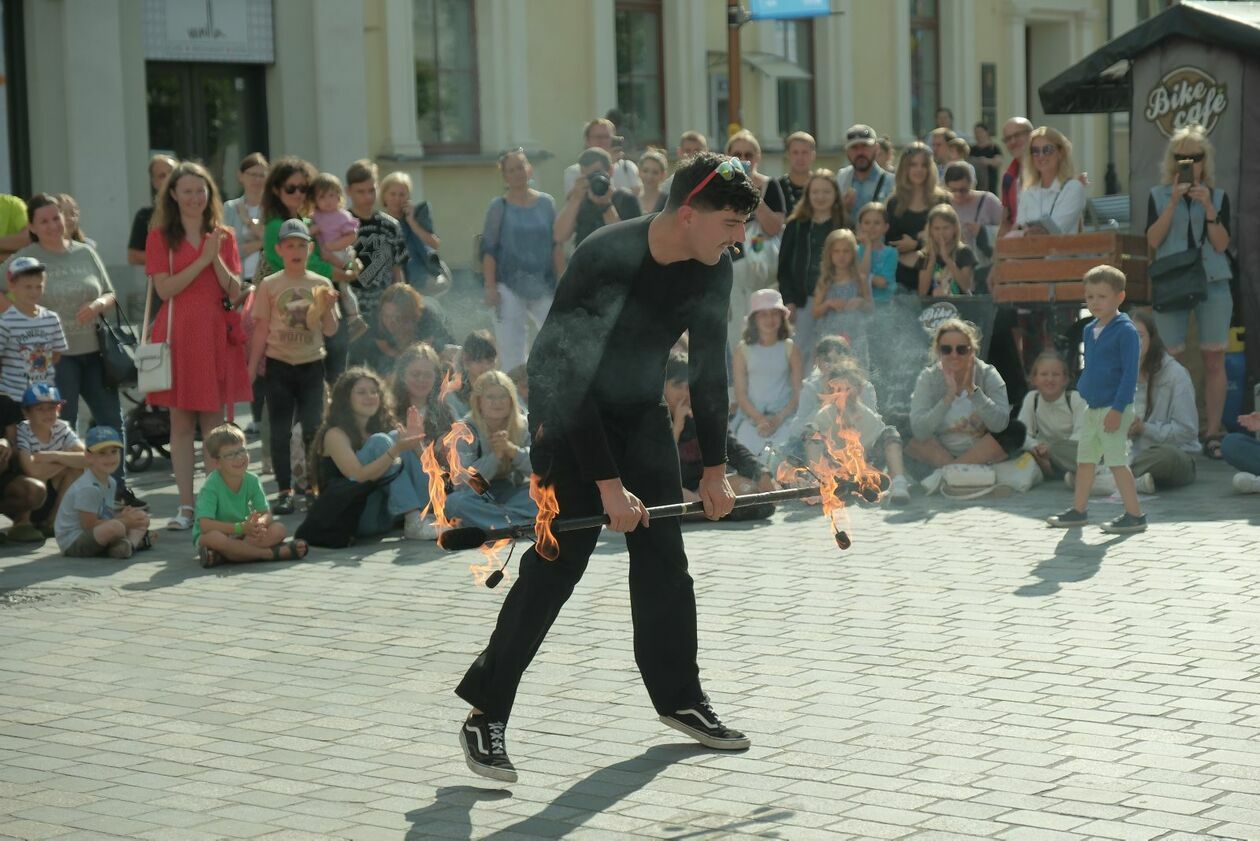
{"points": [[192, 257]]}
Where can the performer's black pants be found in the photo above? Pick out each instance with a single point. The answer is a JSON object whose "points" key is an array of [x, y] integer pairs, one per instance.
{"points": [[662, 600]]}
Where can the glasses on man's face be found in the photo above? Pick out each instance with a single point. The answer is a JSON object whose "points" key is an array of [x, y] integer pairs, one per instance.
{"points": [[961, 350], [1013, 136], [234, 455], [1043, 151], [726, 169], [290, 189]]}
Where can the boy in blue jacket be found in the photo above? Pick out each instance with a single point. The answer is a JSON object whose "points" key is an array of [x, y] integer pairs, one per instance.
{"points": [[1108, 384]]}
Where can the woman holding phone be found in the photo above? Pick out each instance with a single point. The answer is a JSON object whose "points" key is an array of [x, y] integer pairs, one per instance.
{"points": [[1186, 212]]}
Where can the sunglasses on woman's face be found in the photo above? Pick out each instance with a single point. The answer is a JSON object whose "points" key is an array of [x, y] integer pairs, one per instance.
{"points": [[1043, 151], [961, 350], [1196, 158], [290, 189]]}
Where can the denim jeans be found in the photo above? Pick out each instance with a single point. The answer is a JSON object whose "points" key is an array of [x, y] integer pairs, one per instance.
{"points": [[1241, 451], [84, 375], [376, 518], [510, 505]]}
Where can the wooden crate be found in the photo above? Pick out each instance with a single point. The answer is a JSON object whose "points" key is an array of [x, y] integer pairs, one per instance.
{"points": [[1048, 269]]}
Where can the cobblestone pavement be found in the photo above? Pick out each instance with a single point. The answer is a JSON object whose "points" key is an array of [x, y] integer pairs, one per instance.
{"points": [[961, 672]]}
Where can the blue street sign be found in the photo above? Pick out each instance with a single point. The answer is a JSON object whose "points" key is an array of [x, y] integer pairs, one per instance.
{"points": [[787, 9]]}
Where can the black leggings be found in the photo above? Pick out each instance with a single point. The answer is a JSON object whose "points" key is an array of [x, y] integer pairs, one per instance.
{"points": [[292, 390], [662, 599]]}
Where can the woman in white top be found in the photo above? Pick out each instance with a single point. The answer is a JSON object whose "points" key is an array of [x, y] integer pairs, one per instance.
{"points": [[1053, 198], [244, 213], [1165, 430]]}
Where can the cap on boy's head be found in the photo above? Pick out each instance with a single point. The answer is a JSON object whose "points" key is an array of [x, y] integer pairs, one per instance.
{"points": [[37, 393], [101, 438], [295, 228], [860, 135], [24, 265]]}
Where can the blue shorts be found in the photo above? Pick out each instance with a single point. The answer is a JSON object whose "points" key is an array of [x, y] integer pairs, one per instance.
{"points": [[1212, 316]]}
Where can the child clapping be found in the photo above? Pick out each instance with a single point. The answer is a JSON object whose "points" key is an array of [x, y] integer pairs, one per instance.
{"points": [[232, 522]]}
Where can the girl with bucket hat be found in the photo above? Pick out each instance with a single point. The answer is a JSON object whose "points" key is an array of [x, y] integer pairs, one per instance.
{"points": [[767, 374]]}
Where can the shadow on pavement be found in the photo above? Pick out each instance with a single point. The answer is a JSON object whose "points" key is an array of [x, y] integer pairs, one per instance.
{"points": [[449, 816], [592, 795], [1073, 561]]}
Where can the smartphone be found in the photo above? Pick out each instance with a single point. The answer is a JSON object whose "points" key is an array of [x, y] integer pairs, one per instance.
{"points": [[1185, 172], [618, 142]]}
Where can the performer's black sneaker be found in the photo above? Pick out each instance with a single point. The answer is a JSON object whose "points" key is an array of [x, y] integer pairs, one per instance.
{"points": [[701, 723], [485, 748]]}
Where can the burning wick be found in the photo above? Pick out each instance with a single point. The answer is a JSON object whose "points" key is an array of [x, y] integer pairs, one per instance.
{"points": [[842, 539]]}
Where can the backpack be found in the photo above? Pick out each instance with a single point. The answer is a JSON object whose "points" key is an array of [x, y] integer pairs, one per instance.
{"points": [[332, 522]]}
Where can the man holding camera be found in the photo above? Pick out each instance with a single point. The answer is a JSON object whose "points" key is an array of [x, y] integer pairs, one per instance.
{"points": [[601, 134], [593, 202]]}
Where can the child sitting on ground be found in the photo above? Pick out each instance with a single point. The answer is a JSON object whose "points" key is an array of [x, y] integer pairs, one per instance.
{"points": [[744, 472], [86, 525], [1052, 414], [231, 522], [1165, 429], [844, 410], [829, 353], [1108, 384], [48, 450]]}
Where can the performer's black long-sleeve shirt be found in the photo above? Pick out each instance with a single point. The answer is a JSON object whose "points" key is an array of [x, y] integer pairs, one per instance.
{"points": [[602, 351]]}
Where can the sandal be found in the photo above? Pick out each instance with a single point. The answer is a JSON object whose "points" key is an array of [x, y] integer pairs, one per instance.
{"points": [[181, 521], [296, 550], [208, 557], [1212, 446]]}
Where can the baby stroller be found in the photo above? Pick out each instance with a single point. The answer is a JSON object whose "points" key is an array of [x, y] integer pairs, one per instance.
{"points": [[148, 429]]}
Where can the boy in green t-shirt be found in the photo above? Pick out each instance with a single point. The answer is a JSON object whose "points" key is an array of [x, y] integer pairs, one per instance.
{"points": [[232, 522]]}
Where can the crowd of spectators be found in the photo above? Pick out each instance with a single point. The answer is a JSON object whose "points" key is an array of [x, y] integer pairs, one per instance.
{"points": [[303, 298]]}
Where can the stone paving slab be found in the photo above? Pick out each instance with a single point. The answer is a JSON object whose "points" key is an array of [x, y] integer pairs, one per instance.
{"points": [[961, 672]]}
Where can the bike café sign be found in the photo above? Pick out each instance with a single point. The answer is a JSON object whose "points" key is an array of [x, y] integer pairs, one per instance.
{"points": [[1186, 95]]}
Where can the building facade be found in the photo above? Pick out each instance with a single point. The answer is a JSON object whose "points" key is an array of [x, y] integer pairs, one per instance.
{"points": [[439, 88]]}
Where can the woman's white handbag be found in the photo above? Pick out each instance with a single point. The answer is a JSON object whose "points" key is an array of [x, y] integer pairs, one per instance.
{"points": [[153, 359], [967, 481]]}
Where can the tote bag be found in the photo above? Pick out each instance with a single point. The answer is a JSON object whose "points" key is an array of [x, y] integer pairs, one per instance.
{"points": [[153, 359]]}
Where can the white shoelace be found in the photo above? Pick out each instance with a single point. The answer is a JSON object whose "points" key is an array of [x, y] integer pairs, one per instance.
{"points": [[497, 745]]}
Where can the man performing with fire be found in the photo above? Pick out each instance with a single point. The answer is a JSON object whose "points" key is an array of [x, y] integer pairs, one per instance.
{"points": [[602, 443]]}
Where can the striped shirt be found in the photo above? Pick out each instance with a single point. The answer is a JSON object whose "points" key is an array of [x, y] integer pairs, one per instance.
{"points": [[62, 439], [27, 345]]}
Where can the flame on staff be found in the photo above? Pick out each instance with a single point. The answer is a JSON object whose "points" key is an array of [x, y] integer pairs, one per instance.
{"points": [[455, 472], [490, 562], [545, 543], [840, 468], [451, 383]]}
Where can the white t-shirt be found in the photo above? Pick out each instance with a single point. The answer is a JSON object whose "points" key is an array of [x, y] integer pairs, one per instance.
{"points": [[27, 345], [1048, 421], [61, 440], [625, 176]]}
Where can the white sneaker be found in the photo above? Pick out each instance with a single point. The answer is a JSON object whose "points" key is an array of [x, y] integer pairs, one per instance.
{"points": [[1145, 484], [1104, 483], [899, 491], [1247, 483], [413, 527], [931, 483]]}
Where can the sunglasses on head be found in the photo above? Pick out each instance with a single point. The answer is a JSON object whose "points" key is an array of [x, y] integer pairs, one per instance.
{"points": [[961, 350], [1043, 151], [1196, 158], [290, 189], [726, 169]]}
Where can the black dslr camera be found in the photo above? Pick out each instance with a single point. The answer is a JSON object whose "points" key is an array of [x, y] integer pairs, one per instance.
{"points": [[598, 183]]}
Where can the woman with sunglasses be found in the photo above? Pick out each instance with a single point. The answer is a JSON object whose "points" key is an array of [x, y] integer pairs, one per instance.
{"points": [[959, 412], [1052, 200], [1186, 211], [287, 195]]}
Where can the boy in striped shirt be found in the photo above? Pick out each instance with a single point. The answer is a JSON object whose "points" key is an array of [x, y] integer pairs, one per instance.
{"points": [[31, 339], [48, 450]]}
